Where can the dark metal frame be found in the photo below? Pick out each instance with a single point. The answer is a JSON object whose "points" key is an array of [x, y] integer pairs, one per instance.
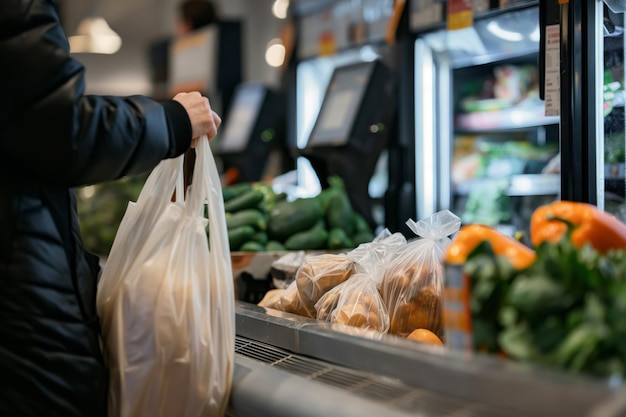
{"points": [[578, 122]]}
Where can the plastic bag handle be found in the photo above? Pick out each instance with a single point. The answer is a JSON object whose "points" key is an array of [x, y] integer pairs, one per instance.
{"points": [[438, 226], [165, 179], [206, 188], [180, 181]]}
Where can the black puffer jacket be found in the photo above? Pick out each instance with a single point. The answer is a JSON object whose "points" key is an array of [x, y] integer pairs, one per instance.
{"points": [[53, 138]]}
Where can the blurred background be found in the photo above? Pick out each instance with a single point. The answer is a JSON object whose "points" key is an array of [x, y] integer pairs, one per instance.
{"points": [[141, 23]]}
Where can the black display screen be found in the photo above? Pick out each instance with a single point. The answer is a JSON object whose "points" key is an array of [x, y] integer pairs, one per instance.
{"points": [[242, 117], [341, 104]]}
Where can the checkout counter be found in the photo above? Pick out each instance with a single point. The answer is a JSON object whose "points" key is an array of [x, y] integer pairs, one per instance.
{"points": [[286, 365], [291, 366]]}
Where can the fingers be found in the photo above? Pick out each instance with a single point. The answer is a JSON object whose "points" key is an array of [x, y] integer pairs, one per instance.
{"points": [[204, 121], [216, 119]]}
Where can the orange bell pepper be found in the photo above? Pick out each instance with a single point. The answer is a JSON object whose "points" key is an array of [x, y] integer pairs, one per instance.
{"points": [[592, 225], [470, 236]]}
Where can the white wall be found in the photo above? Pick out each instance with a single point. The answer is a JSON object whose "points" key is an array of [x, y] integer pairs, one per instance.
{"points": [[140, 22]]}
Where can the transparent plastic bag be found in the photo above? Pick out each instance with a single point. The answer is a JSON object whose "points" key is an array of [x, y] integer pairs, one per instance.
{"points": [[412, 283], [289, 301], [320, 273], [357, 301], [166, 301]]}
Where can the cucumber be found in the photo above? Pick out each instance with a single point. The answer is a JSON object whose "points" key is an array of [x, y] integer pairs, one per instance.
{"points": [[325, 195], [232, 191], [313, 238], [260, 237], [238, 236], [339, 213], [292, 217], [246, 217], [274, 246], [360, 224], [249, 199], [252, 246], [362, 237], [269, 196], [338, 239]]}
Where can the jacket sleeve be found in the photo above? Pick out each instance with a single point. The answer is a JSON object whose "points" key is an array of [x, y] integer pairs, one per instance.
{"points": [[50, 131]]}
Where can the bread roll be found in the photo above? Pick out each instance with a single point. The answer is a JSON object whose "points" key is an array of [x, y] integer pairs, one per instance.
{"points": [[289, 301], [326, 305], [320, 273], [358, 315], [269, 296], [421, 312]]}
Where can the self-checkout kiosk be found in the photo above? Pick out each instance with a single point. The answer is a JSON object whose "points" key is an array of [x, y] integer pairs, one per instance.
{"points": [[352, 129], [208, 60], [253, 133]]}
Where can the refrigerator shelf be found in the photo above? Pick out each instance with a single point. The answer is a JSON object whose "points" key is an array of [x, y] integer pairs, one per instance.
{"points": [[519, 185], [505, 119]]}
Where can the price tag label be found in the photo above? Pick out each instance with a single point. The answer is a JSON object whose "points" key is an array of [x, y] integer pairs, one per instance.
{"points": [[553, 70], [460, 14], [426, 13]]}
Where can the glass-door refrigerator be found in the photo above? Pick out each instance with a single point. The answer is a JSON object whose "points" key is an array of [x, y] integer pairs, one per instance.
{"points": [[591, 89], [485, 147]]}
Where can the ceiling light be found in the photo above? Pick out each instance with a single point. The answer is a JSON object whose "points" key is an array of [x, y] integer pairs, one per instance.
{"points": [[501, 33], [280, 8], [275, 53], [534, 35], [94, 35]]}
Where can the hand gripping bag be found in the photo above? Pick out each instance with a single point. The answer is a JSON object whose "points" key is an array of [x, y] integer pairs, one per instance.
{"points": [[166, 299]]}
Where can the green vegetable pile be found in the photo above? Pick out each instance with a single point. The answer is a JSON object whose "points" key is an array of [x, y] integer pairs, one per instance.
{"points": [[567, 310], [101, 208], [258, 219]]}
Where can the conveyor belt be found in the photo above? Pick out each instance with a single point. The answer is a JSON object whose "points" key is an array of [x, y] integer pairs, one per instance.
{"points": [[390, 393], [390, 376]]}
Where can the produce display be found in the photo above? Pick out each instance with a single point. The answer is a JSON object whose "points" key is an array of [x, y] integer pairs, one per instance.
{"points": [[561, 305], [258, 219], [101, 208]]}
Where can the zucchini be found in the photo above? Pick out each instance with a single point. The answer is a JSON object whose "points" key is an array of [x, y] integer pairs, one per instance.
{"points": [[239, 235], [274, 246], [338, 239], [260, 237], [292, 217], [360, 224], [269, 196], [362, 237], [231, 191], [252, 246], [246, 217], [325, 195], [339, 213], [249, 199], [313, 238]]}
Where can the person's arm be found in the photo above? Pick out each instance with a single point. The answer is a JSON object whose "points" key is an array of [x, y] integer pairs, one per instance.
{"points": [[50, 132]]}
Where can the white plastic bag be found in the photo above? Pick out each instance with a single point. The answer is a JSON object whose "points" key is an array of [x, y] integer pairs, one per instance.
{"points": [[167, 302]]}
